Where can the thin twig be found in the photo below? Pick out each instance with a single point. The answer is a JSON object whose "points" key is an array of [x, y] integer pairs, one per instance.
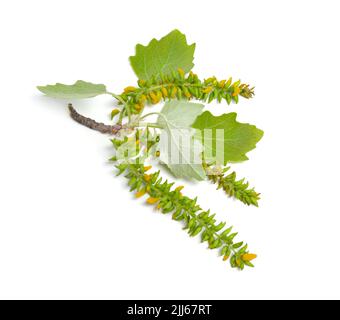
{"points": [[92, 124]]}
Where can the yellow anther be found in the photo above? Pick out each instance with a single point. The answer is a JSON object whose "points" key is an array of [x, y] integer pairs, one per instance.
{"points": [[187, 94], [222, 83], [146, 168], [249, 256], [207, 89], [140, 194], [138, 107], [142, 98], [155, 98], [237, 90], [147, 177], [129, 89], [181, 72], [164, 92], [225, 258], [152, 96], [179, 188], [152, 200], [141, 82]]}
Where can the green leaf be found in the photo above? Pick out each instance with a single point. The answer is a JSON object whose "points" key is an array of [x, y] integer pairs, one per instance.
{"points": [[178, 114], [180, 150], [224, 134], [78, 90], [163, 56]]}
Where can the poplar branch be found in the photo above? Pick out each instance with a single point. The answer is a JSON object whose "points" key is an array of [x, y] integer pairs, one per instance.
{"points": [[92, 124]]}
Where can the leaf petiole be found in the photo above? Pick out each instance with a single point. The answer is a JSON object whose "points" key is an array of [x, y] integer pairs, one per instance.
{"points": [[150, 125], [150, 114]]}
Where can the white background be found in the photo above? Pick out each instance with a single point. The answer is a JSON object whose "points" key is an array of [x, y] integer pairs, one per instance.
{"points": [[70, 229]]}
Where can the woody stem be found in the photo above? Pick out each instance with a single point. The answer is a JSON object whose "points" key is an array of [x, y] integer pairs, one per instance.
{"points": [[92, 124]]}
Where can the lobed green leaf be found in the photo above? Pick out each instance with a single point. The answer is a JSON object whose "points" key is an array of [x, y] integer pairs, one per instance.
{"points": [[236, 138], [78, 90], [162, 57]]}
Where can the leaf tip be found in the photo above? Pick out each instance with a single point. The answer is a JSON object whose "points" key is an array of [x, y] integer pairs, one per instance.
{"points": [[41, 88]]}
